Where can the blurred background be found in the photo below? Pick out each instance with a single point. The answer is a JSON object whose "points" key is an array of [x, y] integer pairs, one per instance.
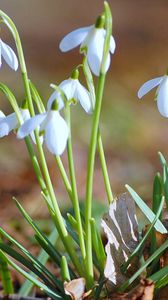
{"points": [[133, 131]]}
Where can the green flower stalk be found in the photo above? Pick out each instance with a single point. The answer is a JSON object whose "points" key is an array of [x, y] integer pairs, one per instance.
{"points": [[93, 143], [57, 214]]}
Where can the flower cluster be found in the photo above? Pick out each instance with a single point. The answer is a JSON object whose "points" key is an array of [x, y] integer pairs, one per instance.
{"points": [[92, 40], [51, 126]]}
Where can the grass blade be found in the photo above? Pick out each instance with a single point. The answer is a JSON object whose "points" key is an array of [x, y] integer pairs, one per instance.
{"points": [[146, 210]]}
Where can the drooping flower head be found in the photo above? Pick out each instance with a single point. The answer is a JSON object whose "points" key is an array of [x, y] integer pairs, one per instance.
{"points": [[10, 122], [74, 92], [8, 55], [92, 40], [51, 125], [161, 92]]}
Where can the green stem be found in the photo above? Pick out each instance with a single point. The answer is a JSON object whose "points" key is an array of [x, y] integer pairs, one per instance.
{"points": [[104, 169], [74, 197], [89, 183], [5, 276], [90, 84], [64, 176], [92, 149], [58, 217], [60, 165]]}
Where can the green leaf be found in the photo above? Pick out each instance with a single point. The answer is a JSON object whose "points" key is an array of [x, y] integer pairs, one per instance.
{"points": [[164, 165], [42, 257], [98, 246], [160, 278], [64, 269], [36, 97], [6, 279], [25, 262], [10, 96], [146, 210], [54, 295], [154, 256], [42, 239], [34, 262], [141, 244]]}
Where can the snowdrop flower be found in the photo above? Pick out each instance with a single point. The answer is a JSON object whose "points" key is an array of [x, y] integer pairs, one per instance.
{"points": [[91, 39], [161, 92], [52, 126], [8, 55], [10, 122], [73, 90]]}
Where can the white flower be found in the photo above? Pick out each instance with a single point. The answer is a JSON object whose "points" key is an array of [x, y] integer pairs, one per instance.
{"points": [[92, 39], [161, 93], [10, 122], [52, 125], [8, 55], [72, 89]]}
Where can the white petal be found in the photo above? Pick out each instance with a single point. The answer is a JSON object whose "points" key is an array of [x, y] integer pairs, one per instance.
{"points": [[30, 125], [2, 115], [108, 61], [7, 124], [9, 56], [4, 129], [26, 116], [56, 133], [83, 96], [95, 51], [55, 96], [69, 86], [74, 38], [148, 86], [112, 45], [162, 98]]}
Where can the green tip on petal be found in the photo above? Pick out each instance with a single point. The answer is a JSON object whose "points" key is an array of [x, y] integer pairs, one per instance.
{"points": [[24, 104], [75, 74], [100, 22], [55, 105], [167, 72]]}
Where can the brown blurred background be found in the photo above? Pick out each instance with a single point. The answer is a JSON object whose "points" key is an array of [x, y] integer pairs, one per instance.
{"points": [[133, 130]]}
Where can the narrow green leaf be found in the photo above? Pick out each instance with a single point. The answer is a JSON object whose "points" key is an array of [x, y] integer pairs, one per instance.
{"points": [[154, 256], [37, 264], [141, 244], [42, 257], [7, 284], [36, 97], [146, 210], [159, 275], [164, 165], [98, 246], [10, 96], [72, 221], [157, 193], [162, 159], [25, 262], [64, 269], [51, 293], [160, 278]]}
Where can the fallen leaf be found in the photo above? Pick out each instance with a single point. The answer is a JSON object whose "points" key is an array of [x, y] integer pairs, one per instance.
{"points": [[145, 291], [121, 227], [75, 288]]}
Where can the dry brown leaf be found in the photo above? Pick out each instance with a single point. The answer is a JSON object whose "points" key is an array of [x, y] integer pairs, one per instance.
{"points": [[120, 226], [145, 291], [75, 288]]}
